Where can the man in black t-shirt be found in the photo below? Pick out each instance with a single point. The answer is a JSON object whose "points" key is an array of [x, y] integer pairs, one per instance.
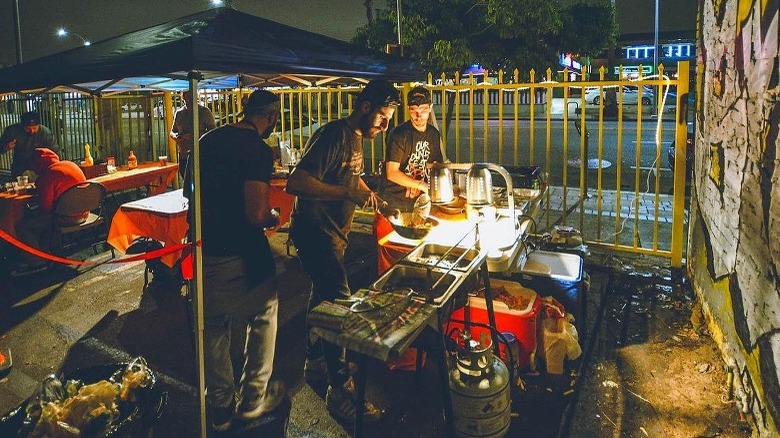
{"points": [[328, 185], [239, 274], [410, 147]]}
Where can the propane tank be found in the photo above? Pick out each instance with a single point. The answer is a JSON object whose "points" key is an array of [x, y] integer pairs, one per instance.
{"points": [[479, 387]]}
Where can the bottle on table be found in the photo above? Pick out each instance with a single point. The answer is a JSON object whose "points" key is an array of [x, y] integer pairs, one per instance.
{"points": [[88, 160], [132, 161]]}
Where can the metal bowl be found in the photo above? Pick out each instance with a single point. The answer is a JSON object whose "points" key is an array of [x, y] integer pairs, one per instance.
{"points": [[402, 224], [455, 207]]}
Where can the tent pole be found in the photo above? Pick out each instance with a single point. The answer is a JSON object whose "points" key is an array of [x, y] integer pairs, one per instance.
{"points": [[197, 254]]}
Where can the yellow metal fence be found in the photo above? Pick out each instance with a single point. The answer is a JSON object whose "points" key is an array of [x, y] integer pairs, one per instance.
{"points": [[607, 166]]}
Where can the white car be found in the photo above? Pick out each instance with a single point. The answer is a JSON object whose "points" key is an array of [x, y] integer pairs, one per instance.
{"points": [[630, 95]]}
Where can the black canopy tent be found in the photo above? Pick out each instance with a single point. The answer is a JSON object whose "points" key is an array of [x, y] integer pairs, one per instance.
{"points": [[216, 49], [223, 48]]}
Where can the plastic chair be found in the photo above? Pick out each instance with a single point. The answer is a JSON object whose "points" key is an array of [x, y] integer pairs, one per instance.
{"points": [[87, 196]]}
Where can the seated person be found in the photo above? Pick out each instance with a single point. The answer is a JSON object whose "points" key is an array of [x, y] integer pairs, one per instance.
{"points": [[54, 178]]}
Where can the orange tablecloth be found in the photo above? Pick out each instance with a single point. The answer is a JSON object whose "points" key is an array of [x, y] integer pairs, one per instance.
{"points": [[153, 176], [12, 208], [281, 199], [162, 217]]}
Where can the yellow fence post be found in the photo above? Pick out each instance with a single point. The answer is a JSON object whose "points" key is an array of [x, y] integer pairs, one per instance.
{"points": [[680, 138]]}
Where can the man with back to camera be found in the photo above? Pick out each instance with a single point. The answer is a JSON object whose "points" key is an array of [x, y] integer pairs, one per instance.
{"points": [[181, 131], [410, 147], [23, 138], [239, 274], [328, 186]]}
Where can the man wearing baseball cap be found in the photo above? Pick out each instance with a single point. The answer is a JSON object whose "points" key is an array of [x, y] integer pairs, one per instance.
{"points": [[410, 147], [23, 138], [328, 185]]}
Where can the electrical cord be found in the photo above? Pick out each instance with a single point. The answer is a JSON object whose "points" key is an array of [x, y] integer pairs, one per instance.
{"points": [[655, 161]]}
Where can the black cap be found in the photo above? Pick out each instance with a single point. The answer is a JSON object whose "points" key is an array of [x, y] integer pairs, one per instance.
{"points": [[418, 96], [379, 93], [258, 99], [31, 118]]}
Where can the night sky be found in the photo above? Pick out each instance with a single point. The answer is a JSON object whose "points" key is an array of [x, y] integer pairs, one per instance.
{"points": [[97, 20]]}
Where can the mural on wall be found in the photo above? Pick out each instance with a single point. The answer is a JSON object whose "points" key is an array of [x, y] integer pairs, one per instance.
{"points": [[739, 193]]}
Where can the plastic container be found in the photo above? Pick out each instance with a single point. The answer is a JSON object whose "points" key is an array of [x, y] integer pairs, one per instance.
{"points": [[559, 275], [522, 323]]}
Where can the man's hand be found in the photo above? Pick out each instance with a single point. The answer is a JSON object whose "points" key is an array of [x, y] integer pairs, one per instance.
{"points": [[274, 218], [11, 144], [362, 197]]}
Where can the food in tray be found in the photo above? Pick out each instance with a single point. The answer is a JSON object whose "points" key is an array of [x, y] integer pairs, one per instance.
{"points": [[440, 263], [514, 302], [80, 409]]}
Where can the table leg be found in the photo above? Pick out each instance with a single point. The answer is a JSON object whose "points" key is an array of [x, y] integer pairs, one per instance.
{"points": [[489, 305], [360, 383], [444, 383]]}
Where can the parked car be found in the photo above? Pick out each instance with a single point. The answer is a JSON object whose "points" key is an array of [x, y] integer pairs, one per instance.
{"points": [[630, 95], [689, 151]]}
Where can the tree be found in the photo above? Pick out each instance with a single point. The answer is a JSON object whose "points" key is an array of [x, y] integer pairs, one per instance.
{"points": [[448, 35]]}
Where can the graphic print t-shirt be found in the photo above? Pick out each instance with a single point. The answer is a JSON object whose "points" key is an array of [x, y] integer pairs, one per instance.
{"points": [[413, 150]]}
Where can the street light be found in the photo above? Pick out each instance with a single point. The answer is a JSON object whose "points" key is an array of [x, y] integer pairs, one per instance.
{"points": [[398, 6], [62, 33]]}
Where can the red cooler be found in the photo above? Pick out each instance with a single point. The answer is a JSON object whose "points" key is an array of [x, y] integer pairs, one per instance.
{"points": [[521, 322]]}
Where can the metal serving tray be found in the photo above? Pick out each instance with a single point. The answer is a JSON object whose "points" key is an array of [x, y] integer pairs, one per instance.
{"points": [[433, 285], [444, 257]]}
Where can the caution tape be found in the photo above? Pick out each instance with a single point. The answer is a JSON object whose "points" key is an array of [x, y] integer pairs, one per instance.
{"points": [[53, 258]]}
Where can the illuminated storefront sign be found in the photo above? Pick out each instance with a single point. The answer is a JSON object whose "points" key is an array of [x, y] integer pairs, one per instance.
{"points": [[566, 60], [633, 70], [672, 50]]}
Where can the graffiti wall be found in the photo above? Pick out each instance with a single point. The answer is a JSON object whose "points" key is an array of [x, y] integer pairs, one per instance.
{"points": [[734, 251]]}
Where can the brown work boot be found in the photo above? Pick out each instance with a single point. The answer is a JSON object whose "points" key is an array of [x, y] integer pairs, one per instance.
{"points": [[341, 402]]}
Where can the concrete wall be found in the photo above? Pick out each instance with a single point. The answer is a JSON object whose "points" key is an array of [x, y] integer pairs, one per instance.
{"points": [[734, 247]]}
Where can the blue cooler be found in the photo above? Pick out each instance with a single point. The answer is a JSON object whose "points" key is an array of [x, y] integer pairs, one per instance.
{"points": [[559, 275]]}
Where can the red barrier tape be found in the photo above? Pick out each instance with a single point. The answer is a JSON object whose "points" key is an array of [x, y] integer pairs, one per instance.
{"points": [[51, 257]]}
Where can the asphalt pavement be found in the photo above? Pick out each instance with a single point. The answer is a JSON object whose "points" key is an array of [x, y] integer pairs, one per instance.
{"points": [[75, 318]]}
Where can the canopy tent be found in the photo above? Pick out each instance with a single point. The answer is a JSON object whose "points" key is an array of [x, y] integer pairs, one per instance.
{"points": [[222, 48], [218, 48]]}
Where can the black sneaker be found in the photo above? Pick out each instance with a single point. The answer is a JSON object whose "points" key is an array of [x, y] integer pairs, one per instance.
{"points": [[222, 418]]}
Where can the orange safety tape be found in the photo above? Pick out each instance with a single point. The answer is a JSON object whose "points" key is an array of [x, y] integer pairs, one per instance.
{"points": [[51, 257]]}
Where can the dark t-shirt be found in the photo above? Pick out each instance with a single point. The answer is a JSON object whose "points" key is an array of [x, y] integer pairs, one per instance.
{"points": [[229, 156], [413, 150], [25, 145], [333, 155]]}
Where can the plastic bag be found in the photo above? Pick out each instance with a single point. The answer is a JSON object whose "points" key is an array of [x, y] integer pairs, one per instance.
{"points": [[560, 341]]}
